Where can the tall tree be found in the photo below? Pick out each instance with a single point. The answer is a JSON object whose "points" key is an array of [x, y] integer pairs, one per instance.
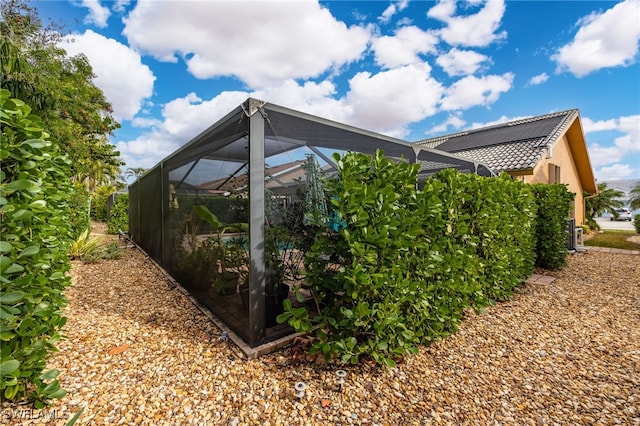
{"points": [[60, 90]]}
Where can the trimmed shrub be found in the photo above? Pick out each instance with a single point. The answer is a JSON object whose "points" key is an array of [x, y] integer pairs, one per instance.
{"points": [[35, 235], [79, 203], [99, 202], [402, 265], [636, 223], [119, 217], [554, 203]]}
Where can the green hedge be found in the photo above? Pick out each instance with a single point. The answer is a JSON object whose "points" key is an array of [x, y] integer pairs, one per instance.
{"points": [[554, 204], [119, 215], [79, 203], [35, 233], [404, 264]]}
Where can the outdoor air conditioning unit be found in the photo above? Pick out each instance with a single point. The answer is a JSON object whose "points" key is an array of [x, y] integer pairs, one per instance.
{"points": [[571, 234]]}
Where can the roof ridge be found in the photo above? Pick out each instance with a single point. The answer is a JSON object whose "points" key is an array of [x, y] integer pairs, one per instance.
{"points": [[570, 116], [531, 119]]}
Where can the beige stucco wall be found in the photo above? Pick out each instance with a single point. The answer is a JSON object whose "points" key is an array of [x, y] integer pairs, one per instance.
{"points": [[561, 156]]}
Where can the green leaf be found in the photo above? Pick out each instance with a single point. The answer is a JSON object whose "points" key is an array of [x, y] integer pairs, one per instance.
{"points": [[29, 251], [203, 213], [49, 374], [12, 298], [8, 367], [38, 204], [10, 392], [60, 393], [5, 246], [36, 143], [18, 185], [13, 269], [5, 336], [75, 418], [389, 362], [22, 214]]}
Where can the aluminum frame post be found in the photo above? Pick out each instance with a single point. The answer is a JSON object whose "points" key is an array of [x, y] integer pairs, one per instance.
{"points": [[257, 329]]}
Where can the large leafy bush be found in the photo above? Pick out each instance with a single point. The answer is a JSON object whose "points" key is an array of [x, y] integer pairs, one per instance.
{"points": [[554, 203], [35, 232], [79, 212], [402, 264], [119, 215]]}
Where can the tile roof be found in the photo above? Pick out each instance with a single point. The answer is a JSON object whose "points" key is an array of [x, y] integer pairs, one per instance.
{"points": [[514, 145]]}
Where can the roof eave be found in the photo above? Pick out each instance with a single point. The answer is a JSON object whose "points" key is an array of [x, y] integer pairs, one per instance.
{"points": [[580, 154]]}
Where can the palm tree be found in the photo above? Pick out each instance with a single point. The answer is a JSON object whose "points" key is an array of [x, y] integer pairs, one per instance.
{"points": [[606, 200], [134, 172], [634, 198]]}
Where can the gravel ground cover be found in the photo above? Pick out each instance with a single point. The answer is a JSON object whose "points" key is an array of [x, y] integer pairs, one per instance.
{"points": [[139, 352]]}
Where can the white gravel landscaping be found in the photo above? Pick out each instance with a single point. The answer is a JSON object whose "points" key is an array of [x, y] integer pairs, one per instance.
{"points": [[139, 352]]}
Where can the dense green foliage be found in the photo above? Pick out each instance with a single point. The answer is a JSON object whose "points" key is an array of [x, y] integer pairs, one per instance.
{"points": [[402, 264], [80, 204], [636, 223], [60, 90], [35, 233], [99, 200], [554, 204], [119, 215], [47, 179]]}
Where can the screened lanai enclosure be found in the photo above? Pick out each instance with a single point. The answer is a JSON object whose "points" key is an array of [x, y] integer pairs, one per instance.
{"points": [[227, 214]]}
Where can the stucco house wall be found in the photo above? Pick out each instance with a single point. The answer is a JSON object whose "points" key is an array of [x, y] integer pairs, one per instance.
{"points": [[559, 156]]}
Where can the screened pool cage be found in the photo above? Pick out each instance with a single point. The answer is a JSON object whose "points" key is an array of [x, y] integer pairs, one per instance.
{"points": [[227, 214]]}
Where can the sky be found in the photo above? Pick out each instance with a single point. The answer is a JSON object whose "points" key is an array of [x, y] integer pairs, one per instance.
{"points": [[408, 69]]}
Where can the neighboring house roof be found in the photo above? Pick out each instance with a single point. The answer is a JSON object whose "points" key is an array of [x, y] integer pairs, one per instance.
{"points": [[519, 146], [285, 174]]}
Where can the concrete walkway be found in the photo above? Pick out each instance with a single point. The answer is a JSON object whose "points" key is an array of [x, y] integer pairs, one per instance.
{"points": [[611, 250]]}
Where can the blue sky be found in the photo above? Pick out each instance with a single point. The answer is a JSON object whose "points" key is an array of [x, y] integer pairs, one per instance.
{"points": [[409, 69]]}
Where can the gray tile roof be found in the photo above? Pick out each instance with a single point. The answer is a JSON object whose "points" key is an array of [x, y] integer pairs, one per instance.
{"points": [[516, 145]]}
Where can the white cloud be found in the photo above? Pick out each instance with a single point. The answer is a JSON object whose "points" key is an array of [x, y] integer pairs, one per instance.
{"points": [[261, 43], [310, 97], [601, 155], [616, 171], [404, 47], [628, 143], [603, 40], [98, 14], [480, 29], [473, 91], [119, 71], [538, 79], [453, 122], [392, 9], [142, 122], [120, 5], [590, 126], [387, 101], [384, 102], [182, 119], [458, 62], [388, 13]]}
